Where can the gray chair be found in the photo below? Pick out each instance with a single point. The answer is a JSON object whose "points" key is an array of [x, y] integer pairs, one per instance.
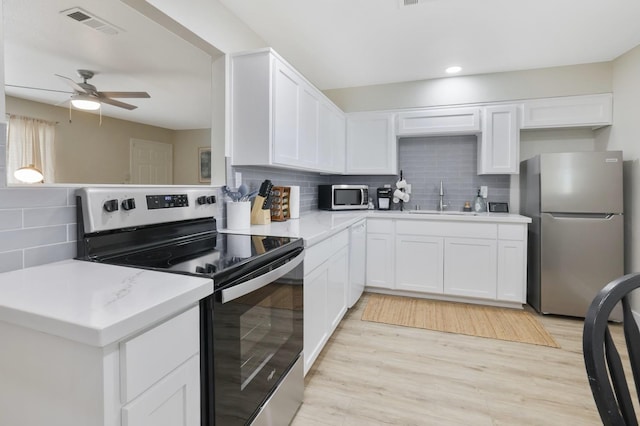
{"points": [[601, 357]]}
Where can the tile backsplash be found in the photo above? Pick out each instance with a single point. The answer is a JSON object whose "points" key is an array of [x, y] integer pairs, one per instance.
{"points": [[424, 162]]}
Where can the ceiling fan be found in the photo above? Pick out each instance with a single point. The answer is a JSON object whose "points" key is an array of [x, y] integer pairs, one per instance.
{"points": [[86, 96]]}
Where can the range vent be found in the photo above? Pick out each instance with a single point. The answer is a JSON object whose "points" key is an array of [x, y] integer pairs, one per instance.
{"points": [[92, 21]]}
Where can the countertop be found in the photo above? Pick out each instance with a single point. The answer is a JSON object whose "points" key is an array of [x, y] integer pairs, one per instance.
{"points": [[92, 303], [318, 225]]}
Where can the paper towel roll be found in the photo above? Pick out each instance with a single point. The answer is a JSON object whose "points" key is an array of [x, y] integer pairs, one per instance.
{"points": [[294, 202], [401, 195]]}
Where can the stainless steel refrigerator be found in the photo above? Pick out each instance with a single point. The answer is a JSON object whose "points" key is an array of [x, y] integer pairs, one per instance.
{"points": [[576, 239]]}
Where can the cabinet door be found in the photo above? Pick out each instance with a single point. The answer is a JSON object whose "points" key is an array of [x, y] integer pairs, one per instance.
{"points": [[380, 260], [315, 313], [337, 288], [419, 263], [173, 401], [308, 142], [499, 145], [568, 111], [331, 140], [458, 121], [512, 271], [470, 267], [286, 109], [371, 144]]}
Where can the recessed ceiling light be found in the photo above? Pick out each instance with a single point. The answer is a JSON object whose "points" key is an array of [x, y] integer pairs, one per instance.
{"points": [[453, 70]]}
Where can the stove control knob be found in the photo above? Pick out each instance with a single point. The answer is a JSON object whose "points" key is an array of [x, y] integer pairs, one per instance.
{"points": [[200, 270], [201, 200], [210, 268], [110, 205], [211, 199], [129, 204]]}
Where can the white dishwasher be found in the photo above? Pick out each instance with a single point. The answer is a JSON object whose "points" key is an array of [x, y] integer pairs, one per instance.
{"points": [[357, 258]]}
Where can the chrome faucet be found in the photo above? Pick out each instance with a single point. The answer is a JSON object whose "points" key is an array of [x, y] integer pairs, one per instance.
{"points": [[441, 204]]}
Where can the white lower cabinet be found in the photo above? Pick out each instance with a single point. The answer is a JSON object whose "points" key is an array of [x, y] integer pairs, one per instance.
{"points": [[174, 401], [326, 278], [426, 252], [512, 267], [151, 379], [465, 259], [470, 267], [380, 253]]}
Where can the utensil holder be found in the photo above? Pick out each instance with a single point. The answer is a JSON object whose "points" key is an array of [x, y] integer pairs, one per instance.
{"points": [[238, 215]]}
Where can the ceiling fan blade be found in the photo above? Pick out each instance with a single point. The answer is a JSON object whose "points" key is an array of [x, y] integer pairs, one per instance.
{"points": [[36, 88], [124, 94], [117, 103], [75, 86]]}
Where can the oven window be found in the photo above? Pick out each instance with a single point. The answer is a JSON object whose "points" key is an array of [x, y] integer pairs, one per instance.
{"points": [[347, 197], [257, 337], [265, 327]]}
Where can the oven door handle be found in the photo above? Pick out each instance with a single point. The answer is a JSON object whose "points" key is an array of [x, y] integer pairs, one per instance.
{"points": [[254, 284]]}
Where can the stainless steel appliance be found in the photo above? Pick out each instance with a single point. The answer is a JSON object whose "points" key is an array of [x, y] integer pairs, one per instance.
{"points": [[576, 236], [251, 328], [343, 197], [384, 196]]}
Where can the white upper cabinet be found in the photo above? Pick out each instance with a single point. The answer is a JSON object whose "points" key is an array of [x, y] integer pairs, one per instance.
{"points": [[568, 111], [279, 119], [372, 147], [499, 143], [445, 121]]}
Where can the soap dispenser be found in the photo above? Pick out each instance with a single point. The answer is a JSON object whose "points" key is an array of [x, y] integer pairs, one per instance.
{"points": [[479, 205]]}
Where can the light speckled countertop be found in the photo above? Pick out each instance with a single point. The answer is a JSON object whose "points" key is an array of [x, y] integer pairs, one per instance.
{"points": [[93, 303], [318, 225]]}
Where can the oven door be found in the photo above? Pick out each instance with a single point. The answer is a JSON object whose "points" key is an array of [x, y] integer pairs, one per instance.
{"points": [[256, 325]]}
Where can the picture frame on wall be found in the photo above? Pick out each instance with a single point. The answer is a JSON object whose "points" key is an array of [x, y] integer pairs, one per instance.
{"points": [[204, 164]]}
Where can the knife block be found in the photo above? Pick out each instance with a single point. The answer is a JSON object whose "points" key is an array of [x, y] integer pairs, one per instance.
{"points": [[258, 215]]}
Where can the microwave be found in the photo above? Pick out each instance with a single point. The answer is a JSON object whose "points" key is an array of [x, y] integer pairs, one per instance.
{"points": [[343, 197]]}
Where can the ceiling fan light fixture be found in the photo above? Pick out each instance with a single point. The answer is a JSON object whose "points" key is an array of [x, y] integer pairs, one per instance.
{"points": [[28, 174], [85, 102]]}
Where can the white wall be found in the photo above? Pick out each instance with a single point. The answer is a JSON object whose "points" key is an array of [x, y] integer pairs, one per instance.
{"points": [[539, 83], [625, 135], [213, 22]]}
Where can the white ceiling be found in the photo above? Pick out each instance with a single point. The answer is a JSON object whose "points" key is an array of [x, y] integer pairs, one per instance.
{"points": [[143, 56], [347, 43]]}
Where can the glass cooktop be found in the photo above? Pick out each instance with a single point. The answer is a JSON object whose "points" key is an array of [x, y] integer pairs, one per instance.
{"points": [[218, 256]]}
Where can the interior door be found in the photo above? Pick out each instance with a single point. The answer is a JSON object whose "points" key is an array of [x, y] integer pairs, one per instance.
{"points": [[151, 162]]}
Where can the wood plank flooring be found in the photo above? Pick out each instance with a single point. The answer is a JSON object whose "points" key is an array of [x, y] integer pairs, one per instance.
{"points": [[378, 374]]}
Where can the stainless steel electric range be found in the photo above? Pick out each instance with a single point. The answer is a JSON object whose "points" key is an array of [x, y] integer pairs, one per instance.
{"points": [[250, 328]]}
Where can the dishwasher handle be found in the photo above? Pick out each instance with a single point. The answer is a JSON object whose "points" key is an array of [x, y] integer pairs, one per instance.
{"points": [[258, 282]]}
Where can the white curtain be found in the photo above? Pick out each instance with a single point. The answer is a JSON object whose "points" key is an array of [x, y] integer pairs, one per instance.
{"points": [[30, 141]]}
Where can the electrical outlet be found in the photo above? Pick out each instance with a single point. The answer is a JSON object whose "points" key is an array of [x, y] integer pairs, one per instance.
{"points": [[407, 189], [484, 191], [238, 179]]}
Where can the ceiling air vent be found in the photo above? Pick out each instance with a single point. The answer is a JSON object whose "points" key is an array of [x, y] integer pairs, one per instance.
{"points": [[92, 21], [404, 3]]}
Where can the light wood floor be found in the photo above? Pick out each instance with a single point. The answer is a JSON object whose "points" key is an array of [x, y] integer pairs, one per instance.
{"points": [[377, 374]]}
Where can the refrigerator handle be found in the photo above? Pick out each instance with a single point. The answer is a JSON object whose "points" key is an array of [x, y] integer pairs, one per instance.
{"points": [[600, 216]]}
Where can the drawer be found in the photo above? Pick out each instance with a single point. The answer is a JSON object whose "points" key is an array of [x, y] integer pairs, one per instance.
{"points": [[147, 358], [379, 226], [316, 255], [512, 231]]}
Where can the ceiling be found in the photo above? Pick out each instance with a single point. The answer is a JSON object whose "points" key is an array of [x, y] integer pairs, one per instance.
{"points": [[143, 56], [348, 43]]}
